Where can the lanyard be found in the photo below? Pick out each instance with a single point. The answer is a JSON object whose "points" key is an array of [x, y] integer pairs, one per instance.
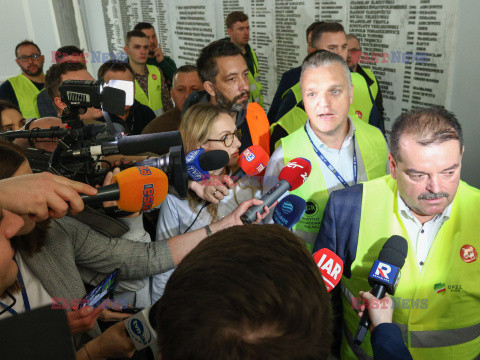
{"points": [[24, 296], [330, 166]]}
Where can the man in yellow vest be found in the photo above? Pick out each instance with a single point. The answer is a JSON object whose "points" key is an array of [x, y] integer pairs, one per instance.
{"points": [[328, 36], [238, 29], [22, 89], [150, 85], [353, 58], [343, 151], [437, 299]]}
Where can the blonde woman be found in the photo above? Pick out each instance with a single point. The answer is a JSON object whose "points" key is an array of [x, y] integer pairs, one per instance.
{"points": [[212, 128]]}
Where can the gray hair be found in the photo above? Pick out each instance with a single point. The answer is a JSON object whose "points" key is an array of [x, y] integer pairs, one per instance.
{"points": [[321, 58]]}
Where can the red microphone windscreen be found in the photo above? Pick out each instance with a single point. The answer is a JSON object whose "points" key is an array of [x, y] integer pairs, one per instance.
{"points": [[296, 172], [330, 266], [141, 188], [253, 160]]}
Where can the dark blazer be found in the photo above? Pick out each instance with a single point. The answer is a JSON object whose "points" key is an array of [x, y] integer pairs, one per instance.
{"points": [[339, 233]]}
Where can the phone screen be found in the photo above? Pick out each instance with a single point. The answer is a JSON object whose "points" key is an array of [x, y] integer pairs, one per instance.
{"points": [[103, 290]]}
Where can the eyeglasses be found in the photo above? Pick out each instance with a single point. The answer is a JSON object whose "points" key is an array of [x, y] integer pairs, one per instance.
{"points": [[25, 58], [228, 139]]}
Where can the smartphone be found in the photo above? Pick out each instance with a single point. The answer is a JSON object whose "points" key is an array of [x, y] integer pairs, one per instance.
{"points": [[102, 291]]}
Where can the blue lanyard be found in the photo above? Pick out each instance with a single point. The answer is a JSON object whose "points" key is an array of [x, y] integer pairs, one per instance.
{"points": [[330, 166], [24, 295]]}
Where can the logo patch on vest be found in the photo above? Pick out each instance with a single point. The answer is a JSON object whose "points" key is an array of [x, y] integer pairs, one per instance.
{"points": [[468, 253], [154, 77], [311, 208], [359, 114], [439, 288]]}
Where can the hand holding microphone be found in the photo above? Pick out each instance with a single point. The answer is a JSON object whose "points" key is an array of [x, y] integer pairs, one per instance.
{"points": [[136, 189], [292, 176]]}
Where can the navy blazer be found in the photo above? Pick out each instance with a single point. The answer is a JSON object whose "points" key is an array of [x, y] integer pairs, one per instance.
{"points": [[339, 233], [289, 78]]}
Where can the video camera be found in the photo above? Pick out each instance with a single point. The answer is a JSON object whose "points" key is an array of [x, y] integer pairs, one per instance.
{"points": [[79, 146]]}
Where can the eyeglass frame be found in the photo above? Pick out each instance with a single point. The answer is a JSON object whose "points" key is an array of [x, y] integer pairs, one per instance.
{"points": [[237, 133], [25, 58]]}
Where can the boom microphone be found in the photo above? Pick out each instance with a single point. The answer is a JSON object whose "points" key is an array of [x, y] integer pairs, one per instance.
{"points": [[200, 162], [294, 174], [384, 277], [330, 266], [289, 211], [131, 145], [135, 189], [252, 161]]}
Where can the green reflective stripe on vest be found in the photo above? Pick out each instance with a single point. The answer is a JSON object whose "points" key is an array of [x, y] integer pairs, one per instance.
{"points": [[361, 104], [447, 327], [154, 99], [255, 85], [25, 92], [374, 86], [373, 151], [297, 92]]}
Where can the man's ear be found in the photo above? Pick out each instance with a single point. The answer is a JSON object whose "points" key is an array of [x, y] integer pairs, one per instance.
{"points": [[57, 100], [229, 31], [210, 88], [393, 166], [125, 48]]}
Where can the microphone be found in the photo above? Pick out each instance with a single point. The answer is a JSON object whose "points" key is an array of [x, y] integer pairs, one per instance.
{"points": [[131, 145], [252, 161], [289, 211], [135, 189], [294, 174], [199, 163], [384, 277], [330, 266], [141, 331]]}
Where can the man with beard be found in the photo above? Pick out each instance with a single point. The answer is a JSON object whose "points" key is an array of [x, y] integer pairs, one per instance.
{"points": [[225, 76], [22, 89]]}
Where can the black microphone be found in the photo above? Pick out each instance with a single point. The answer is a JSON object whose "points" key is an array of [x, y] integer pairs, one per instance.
{"points": [[131, 145], [384, 277]]}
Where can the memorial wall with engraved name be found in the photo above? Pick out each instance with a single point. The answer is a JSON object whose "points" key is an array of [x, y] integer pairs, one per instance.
{"points": [[408, 44]]}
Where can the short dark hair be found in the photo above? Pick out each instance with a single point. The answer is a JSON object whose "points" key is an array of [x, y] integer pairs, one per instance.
{"points": [[64, 51], [184, 69], [247, 292], [53, 77], [433, 125], [312, 27], [332, 27], [134, 33], [113, 65], [24, 43], [143, 26], [234, 17], [351, 36], [207, 61], [5, 104]]}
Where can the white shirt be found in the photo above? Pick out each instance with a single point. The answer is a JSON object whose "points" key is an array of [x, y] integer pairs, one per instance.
{"points": [[421, 236], [36, 293]]}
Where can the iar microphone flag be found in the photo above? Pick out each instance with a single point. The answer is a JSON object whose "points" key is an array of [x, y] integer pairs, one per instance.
{"points": [[289, 211], [384, 277], [135, 189], [294, 174], [330, 266]]}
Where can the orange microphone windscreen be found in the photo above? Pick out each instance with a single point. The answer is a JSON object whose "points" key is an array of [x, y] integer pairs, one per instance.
{"points": [[141, 188]]}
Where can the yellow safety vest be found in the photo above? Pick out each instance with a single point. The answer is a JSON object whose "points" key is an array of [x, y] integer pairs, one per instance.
{"points": [[373, 151], [255, 85], [362, 103], [25, 92], [296, 118], [154, 99], [437, 308]]}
